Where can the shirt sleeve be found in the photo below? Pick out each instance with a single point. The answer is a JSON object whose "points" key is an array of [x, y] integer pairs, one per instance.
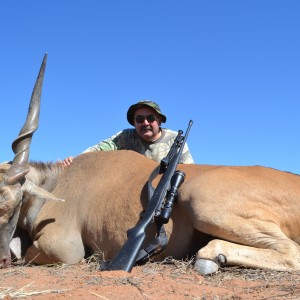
{"points": [[109, 144], [186, 157]]}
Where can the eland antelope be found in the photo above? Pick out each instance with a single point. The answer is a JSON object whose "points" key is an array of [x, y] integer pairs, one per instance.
{"points": [[245, 216]]}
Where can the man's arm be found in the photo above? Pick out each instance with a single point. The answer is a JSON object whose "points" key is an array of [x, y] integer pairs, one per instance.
{"points": [[109, 144]]}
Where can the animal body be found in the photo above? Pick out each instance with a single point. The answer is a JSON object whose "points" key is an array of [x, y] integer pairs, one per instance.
{"points": [[246, 216]]}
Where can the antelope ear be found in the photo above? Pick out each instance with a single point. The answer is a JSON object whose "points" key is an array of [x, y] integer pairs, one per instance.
{"points": [[34, 190], [16, 173]]}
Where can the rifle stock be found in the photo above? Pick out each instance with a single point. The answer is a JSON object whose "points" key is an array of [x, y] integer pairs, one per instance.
{"points": [[126, 257]]}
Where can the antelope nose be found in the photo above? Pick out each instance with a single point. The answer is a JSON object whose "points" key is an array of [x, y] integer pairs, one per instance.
{"points": [[5, 262]]}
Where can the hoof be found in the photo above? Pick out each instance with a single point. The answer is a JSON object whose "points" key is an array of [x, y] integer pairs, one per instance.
{"points": [[206, 266], [222, 260], [15, 247]]}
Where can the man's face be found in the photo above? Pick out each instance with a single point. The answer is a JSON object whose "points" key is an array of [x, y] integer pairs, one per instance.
{"points": [[147, 124]]}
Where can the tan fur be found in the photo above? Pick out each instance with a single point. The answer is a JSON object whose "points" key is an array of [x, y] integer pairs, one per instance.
{"points": [[248, 214], [255, 207]]}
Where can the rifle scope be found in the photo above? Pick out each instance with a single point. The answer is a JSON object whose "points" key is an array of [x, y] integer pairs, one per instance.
{"points": [[176, 180]]}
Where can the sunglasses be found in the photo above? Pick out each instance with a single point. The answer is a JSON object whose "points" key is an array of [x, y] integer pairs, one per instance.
{"points": [[140, 119]]}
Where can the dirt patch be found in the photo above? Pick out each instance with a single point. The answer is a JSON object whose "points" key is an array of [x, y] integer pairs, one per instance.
{"points": [[170, 279]]}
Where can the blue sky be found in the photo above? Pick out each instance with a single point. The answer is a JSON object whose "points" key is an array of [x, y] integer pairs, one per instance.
{"points": [[232, 67]]}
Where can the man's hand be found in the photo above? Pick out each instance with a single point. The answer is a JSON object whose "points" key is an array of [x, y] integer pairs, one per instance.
{"points": [[67, 161]]}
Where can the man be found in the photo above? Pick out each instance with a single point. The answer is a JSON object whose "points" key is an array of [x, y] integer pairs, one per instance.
{"points": [[147, 137]]}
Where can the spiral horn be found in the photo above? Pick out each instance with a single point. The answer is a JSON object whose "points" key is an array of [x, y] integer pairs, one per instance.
{"points": [[21, 144]]}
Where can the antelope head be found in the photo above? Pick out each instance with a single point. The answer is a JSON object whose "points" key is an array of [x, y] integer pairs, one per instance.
{"points": [[13, 183]]}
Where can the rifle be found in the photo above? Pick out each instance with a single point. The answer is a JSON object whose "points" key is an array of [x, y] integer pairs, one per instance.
{"points": [[126, 257]]}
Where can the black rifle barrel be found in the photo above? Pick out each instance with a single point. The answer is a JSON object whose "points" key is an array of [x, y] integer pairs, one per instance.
{"points": [[126, 257]]}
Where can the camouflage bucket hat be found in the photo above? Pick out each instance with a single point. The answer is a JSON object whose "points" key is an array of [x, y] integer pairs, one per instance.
{"points": [[146, 103]]}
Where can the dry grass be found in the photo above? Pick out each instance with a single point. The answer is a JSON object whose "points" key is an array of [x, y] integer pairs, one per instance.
{"points": [[283, 283], [23, 292]]}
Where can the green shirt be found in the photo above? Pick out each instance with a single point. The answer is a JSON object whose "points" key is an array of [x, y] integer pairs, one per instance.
{"points": [[128, 139]]}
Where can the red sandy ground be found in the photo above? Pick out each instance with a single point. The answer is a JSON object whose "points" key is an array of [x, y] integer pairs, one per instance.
{"points": [[172, 280]]}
